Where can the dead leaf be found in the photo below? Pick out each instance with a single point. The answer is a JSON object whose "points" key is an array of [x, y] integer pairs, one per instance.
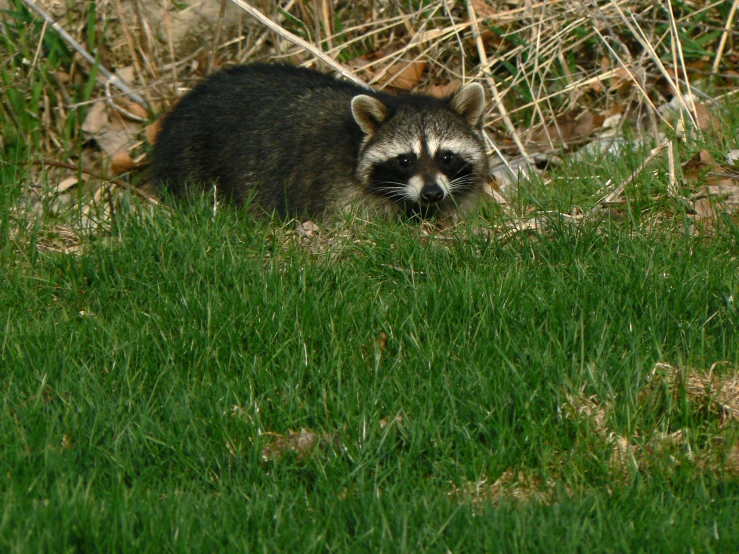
{"points": [[698, 165], [308, 229], [63, 77], [152, 131], [567, 130], [704, 209], [111, 131], [483, 9], [381, 341], [402, 75], [442, 91], [133, 108], [432, 34], [66, 184], [705, 119], [122, 163], [302, 444], [622, 81], [385, 421]]}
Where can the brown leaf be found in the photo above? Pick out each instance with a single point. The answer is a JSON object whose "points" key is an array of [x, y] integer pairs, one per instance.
{"points": [[66, 184], [385, 421], [302, 444], [705, 119], [704, 209], [483, 9], [403, 76], [621, 81], [381, 341], [111, 131], [136, 109], [122, 162], [152, 131], [442, 91], [567, 130], [697, 166], [63, 77]]}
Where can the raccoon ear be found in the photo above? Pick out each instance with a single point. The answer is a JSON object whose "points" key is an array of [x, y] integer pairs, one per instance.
{"points": [[368, 112], [469, 103]]}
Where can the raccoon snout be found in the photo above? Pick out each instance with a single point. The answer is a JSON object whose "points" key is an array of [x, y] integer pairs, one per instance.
{"points": [[431, 194]]}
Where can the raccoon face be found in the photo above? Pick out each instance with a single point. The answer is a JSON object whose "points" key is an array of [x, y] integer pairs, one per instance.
{"points": [[422, 159]]}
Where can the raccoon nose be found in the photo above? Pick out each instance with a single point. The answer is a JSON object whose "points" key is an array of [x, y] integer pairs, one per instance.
{"points": [[431, 194]]}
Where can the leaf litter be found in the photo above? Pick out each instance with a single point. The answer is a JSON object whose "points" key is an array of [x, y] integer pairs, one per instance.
{"points": [[559, 110], [710, 394]]}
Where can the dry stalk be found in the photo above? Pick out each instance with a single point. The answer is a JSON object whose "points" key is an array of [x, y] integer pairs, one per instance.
{"points": [[639, 35], [636, 82], [327, 22], [132, 48], [672, 187], [168, 27], [138, 192], [217, 39], [613, 195], [287, 35], [724, 36], [677, 47], [40, 43], [491, 82], [114, 80]]}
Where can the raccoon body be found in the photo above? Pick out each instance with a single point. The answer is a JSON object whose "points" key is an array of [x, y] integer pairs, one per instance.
{"points": [[301, 143]]}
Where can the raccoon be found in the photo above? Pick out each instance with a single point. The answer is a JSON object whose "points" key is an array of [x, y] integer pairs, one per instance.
{"points": [[301, 143]]}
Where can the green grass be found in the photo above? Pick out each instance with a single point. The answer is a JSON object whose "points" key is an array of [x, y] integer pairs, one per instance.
{"points": [[143, 379]]}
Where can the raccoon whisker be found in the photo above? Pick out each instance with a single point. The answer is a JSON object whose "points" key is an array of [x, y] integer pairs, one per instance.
{"points": [[392, 189], [461, 182], [460, 170], [396, 197]]}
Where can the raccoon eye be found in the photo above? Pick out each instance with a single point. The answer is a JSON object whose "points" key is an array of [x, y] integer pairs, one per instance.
{"points": [[446, 159], [405, 161]]}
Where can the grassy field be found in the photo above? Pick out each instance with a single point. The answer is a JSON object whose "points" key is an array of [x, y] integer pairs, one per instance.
{"points": [[191, 382], [174, 380]]}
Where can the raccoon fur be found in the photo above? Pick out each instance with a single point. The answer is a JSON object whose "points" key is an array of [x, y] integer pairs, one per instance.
{"points": [[301, 143]]}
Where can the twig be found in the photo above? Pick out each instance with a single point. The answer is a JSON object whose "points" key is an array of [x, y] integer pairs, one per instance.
{"points": [[40, 44], [217, 39], [168, 26], [677, 45], [724, 36], [287, 35], [491, 82], [138, 192], [327, 23], [116, 107], [610, 197], [114, 79], [132, 49], [633, 78], [639, 35], [672, 186]]}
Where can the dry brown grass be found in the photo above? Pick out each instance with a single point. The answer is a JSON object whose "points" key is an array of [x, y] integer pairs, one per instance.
{"points": [[559, 75], [712, 395]]}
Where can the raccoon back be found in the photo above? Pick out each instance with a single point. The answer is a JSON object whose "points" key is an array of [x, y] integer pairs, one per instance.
{"points": [[283, 134]]}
